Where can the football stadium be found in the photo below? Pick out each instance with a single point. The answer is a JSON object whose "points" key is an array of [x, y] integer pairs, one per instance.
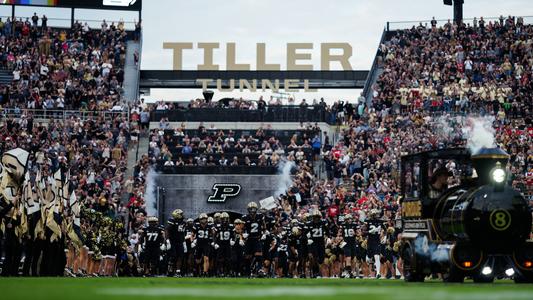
{"points": [[266, 149]]}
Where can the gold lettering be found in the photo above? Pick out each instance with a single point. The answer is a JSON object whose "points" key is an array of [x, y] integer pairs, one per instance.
{"points": [[245, 84], [204, 82], [208, 64], [292, 56], [266, 83], [231, 85], [307, 88], [327, 57], [290, 84], [261, 60], [177, 53], [230, 60]]}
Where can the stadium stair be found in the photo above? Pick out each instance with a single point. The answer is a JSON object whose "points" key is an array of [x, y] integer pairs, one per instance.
{"points": [[131, 72], [5, 77]]}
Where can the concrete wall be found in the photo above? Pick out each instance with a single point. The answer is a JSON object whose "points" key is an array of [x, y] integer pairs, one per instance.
{"points": [[190, 192]]}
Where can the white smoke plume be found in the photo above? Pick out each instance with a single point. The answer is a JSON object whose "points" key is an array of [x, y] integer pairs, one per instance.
{"points": [[425, 249], [285, 179], [479, 133], [445, 126], [150, 197]]}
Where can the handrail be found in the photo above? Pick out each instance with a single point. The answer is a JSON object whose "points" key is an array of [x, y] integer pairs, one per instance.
{"points": [[279, 113], [66, 21], [374, 66], [416, 22], [137, 88], [48, 114]]}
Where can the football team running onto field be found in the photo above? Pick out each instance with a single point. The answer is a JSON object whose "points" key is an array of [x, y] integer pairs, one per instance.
{"points": [[268, 245]]}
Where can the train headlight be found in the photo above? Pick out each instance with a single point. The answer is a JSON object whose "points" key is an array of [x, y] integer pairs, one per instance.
{"points": [[498, 175], [509, 272], [486, 271]]}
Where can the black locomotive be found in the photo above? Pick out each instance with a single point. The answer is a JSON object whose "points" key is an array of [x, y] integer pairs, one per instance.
{"points": [[460, 218]]}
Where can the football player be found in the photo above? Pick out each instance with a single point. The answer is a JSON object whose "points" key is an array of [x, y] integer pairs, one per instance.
{"points": [[348, 246], [203, 237], [176, 229], [189, 254], [224, 239], [254, 228], [374, 227], [295, 248], [153, 238], [316, 231]]}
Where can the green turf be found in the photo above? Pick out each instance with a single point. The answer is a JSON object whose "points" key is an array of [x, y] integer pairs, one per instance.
{"points": [[189, 288]]}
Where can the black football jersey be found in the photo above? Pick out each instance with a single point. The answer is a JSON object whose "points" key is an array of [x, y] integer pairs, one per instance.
{"points": [[317, 231], [370, 225], [224, 233], [349, 231], [176, 231], [203, 233], [295, 241], [153, 236], [254, 226]]}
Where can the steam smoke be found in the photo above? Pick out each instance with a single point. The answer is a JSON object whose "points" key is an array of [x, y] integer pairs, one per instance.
{"points": [[285, 180], [431, 251], [150, 193], [445, 126], [479, 133]]}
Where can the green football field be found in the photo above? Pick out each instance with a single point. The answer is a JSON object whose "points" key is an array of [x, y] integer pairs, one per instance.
{"points": [[188, 288]]}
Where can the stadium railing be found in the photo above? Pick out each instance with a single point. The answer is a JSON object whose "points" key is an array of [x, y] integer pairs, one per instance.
{"points": [[65, 22], [399, 25], [261, 170], [375, 66], [282, 113], [46, 114]]}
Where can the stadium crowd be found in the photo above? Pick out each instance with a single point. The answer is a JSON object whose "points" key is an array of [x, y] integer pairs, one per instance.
{"points": [[57, 69], [212, 147], [432, 78], [339, 216], [89, 156], [481, 67]]}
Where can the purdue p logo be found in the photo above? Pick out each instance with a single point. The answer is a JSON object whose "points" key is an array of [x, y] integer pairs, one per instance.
{"points": [[224, 191]]}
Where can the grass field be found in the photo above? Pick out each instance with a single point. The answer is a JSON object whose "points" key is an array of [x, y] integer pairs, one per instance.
{"points": [[188, 288]]}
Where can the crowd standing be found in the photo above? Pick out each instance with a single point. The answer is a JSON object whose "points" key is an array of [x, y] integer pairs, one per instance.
{"points": [[80, 68], [58, 69], [338, 218]]}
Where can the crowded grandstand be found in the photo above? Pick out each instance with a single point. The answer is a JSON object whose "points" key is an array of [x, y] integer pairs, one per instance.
{"points": [[82, 209]]}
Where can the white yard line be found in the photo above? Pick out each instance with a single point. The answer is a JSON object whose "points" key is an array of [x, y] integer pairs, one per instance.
{"points": [[232, 292], [309, 291]]}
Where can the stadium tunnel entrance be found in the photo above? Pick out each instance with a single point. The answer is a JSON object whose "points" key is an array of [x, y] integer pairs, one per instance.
{"points": [[191, 193]]}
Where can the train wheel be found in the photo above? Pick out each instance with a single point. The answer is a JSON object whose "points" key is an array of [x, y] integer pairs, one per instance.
{"points": [[453, 275], [523, 279], [483, 279], [409, 270]]}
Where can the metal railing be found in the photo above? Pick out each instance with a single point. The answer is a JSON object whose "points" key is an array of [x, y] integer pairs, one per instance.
{"points": [[281, 113], [398, 25], [137, 87], [47, 114], [374, 68], [65, 22]]}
